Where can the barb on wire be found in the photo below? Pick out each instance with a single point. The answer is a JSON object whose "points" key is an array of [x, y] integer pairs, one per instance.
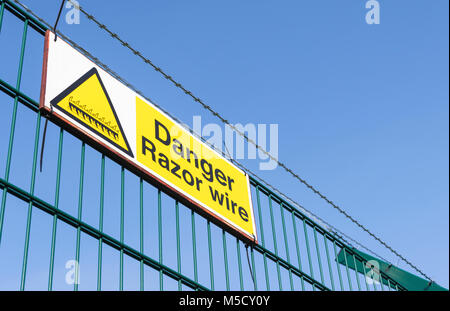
{"points": [[220, 117]]}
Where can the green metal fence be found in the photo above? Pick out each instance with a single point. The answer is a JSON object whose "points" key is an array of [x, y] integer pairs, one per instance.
{"points": [[124, 232]]}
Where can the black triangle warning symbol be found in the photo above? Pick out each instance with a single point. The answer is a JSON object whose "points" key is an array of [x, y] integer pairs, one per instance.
{"points": [[87, 102]]}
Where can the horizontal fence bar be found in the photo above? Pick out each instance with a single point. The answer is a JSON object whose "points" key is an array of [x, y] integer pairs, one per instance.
{"points": [[21, 97], [22, 15]]}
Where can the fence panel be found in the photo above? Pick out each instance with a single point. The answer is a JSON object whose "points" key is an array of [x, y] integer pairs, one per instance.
{"points": [[83, 211]]}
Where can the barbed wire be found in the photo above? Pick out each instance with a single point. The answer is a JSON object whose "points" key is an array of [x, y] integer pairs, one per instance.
{"points": [[216, 114]]}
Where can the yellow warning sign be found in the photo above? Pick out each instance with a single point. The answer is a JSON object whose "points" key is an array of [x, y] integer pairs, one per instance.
{"points": [[87, 102], [166, 148], [117, 121]]}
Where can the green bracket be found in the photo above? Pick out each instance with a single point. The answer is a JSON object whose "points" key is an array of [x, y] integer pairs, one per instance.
{"points": [[407, 280]]}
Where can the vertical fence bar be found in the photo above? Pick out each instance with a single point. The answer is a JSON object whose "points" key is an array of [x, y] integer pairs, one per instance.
{"points": [[286, 245], [374, 287], [80, 206], [194, 247], [177, 219], [297, 247], [122, 216], [318, 256], [2, 206], [141, 233], [381, 282], [2, 9], [266, 272], [325, 240], [13, 124], [308, 252], [258, 203], [211, 266], [30, 205], [22, 54], [275, 242], [262, 237], [365, 278], [55, 218], [225, 260], [346, 267], [100, 224], [52, 254], [337, 266], [2, 212], [255, 285], [238, 250], [356, 272], [160, 250]]}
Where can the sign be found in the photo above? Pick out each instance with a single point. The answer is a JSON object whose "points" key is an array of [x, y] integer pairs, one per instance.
{"points": [[92, 104]]}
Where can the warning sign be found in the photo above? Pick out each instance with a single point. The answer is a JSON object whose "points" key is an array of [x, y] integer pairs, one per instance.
{"points": [[90, 102], [167, 149], [87, 102]]}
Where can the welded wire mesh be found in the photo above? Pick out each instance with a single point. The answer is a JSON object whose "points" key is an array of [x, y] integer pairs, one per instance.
{"points": [[84, 210]]}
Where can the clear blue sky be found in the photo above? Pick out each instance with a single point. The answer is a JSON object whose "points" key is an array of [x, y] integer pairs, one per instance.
{"points": [[362, 109]]}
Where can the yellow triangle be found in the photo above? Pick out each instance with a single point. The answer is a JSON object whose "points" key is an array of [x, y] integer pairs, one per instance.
{"points": [[87, 102]]}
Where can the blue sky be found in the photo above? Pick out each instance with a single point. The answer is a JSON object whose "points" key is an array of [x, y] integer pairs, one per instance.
{"points": [[362, 109]]}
